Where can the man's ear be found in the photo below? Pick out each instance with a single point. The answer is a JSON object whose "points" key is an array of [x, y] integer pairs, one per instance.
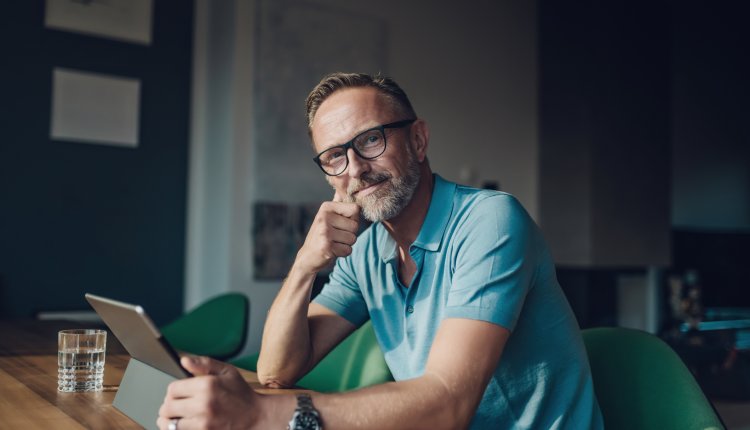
{"points": [[420, 139]]}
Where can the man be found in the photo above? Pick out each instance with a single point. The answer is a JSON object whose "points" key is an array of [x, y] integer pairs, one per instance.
{"points": [[458, 283]]}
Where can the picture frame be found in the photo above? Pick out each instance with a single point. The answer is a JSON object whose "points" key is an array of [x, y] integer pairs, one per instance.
{"points": [[123, 20]]}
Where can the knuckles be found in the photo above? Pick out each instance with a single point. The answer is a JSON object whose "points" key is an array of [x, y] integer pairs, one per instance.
{"points": [[170, 391], [211, 384], [331, 234], [213, 407]]}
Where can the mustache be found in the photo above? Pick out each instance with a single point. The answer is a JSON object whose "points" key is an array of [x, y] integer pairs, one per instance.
{"points": [[365, 181]]}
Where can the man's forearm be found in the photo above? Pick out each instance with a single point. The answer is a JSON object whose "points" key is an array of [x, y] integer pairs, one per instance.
{"points": [[424, 402], [463, 358], [286, 350], [287, 353]]}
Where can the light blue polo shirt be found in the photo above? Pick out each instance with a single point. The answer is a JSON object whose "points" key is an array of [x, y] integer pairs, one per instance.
{"points": [[479, 256]]}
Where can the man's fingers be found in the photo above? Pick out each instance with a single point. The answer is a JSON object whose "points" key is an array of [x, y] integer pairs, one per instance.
{"points": [[185, 388], [202, 365], [343, 237], [162, 423], [187, 423], [182, 407], [211, 399], [205, 370], [341, 250], [336, 223], [173, 408], [349, 210], [337, 197], [344, 224]]}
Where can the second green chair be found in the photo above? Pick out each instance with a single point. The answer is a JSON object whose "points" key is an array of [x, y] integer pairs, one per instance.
{"points": [[215, 328], [641, 383], [355, 363]]}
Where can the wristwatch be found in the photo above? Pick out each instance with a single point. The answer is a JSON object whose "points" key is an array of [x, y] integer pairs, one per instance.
{"points": [[305, 417]]}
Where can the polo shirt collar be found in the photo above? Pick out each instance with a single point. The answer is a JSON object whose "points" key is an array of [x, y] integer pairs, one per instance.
{"points": [[434, 225], [436, 221], [386, 244]]}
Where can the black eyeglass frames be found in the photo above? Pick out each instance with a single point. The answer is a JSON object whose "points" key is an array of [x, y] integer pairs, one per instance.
{"points": [[369, 144]]}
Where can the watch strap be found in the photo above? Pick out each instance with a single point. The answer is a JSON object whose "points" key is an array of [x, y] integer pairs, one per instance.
{"points": [[306, 417]]}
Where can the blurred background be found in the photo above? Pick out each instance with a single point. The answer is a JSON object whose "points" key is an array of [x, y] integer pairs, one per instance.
{"points": [[621, 126]]}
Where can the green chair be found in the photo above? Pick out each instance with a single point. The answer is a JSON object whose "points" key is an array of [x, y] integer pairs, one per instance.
{"points": [[215, 328], [641, 383], [355, 363]]}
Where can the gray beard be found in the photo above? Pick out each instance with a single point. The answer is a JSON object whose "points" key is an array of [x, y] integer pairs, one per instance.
{"points": [[392, 197]]}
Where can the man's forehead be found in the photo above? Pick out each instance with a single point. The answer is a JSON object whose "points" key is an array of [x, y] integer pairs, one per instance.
{"points": [[345, 113]]}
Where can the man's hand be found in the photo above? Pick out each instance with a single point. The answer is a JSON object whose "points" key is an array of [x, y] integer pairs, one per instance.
{"points": [[217, 397], [331, 235]]}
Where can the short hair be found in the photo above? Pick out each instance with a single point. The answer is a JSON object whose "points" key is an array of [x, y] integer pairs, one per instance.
{"points": [[333, 82]]}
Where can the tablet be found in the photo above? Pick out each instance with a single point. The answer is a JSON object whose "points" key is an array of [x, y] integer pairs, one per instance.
{"points": [[138, 334]]}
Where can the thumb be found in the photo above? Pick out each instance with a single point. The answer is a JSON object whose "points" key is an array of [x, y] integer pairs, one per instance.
{"points": [[202, 365], [337, 197]]}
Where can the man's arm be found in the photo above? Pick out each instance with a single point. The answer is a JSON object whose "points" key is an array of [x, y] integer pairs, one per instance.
{"points": [[292, 347], [298, 334], [462, 359]]}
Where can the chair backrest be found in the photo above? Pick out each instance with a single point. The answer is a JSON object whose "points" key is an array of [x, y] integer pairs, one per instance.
{"points": [[216, 328], [355, 363], [641, 383]]}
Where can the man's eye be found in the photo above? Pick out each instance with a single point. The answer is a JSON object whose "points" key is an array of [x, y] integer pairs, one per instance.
{"points": [[369, 140], [331, 157]]}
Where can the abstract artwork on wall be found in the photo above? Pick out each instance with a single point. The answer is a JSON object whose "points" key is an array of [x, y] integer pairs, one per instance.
{"points": [[278, 232], [295, 47]]}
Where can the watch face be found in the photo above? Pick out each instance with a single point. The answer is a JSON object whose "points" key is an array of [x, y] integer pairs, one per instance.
{"points": [[305, 416], [307, 421], [304, 420]]}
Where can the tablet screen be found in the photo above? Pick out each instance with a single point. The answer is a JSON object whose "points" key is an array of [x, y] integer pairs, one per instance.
{"points": [[138, 334]]}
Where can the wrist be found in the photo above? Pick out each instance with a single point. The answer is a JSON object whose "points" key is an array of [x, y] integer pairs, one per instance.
{"points": [[274, 411], [306, 416], [299, 273]]}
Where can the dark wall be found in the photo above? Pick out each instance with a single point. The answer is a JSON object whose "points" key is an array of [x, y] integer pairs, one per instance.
{"points": [[604, 101], [78, 218], [604, 117], [600, 64], [711, 147], [710, 115]]}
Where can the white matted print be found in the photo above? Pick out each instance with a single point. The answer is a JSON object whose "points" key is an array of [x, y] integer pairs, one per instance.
{"points": [[127, 20], [94, 108]]}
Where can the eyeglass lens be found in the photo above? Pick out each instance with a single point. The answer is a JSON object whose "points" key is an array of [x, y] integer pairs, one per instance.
{"points": [[367, 145]]}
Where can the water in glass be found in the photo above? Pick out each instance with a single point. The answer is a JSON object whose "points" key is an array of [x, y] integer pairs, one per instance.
{"points": [[80, 360]]}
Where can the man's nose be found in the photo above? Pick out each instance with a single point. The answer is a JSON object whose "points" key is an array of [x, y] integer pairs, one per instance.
{"points": [[357, 165]]}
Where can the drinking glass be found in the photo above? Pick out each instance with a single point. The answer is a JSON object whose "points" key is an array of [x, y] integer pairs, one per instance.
{"points": [[80, 360]]}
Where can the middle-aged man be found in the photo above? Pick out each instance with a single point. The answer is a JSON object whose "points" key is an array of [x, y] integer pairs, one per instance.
{"points": [[458, 283]]}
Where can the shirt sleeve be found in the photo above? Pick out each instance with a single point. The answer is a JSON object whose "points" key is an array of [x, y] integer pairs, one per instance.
{"points": [[493, 262], [342, 294]]}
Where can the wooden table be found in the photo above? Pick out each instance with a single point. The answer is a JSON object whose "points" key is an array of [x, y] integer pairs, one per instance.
{"points": [[28, 382]]}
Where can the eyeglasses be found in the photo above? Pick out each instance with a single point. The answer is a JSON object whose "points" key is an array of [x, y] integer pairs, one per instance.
{"points": [[369, 144]]}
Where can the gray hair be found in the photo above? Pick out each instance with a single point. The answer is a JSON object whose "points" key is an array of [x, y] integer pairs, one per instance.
{"points": [[386, 86]]}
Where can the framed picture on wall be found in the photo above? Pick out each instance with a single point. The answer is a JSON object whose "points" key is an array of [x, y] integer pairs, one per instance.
{"points": [[279, 230], [125, 20]]}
